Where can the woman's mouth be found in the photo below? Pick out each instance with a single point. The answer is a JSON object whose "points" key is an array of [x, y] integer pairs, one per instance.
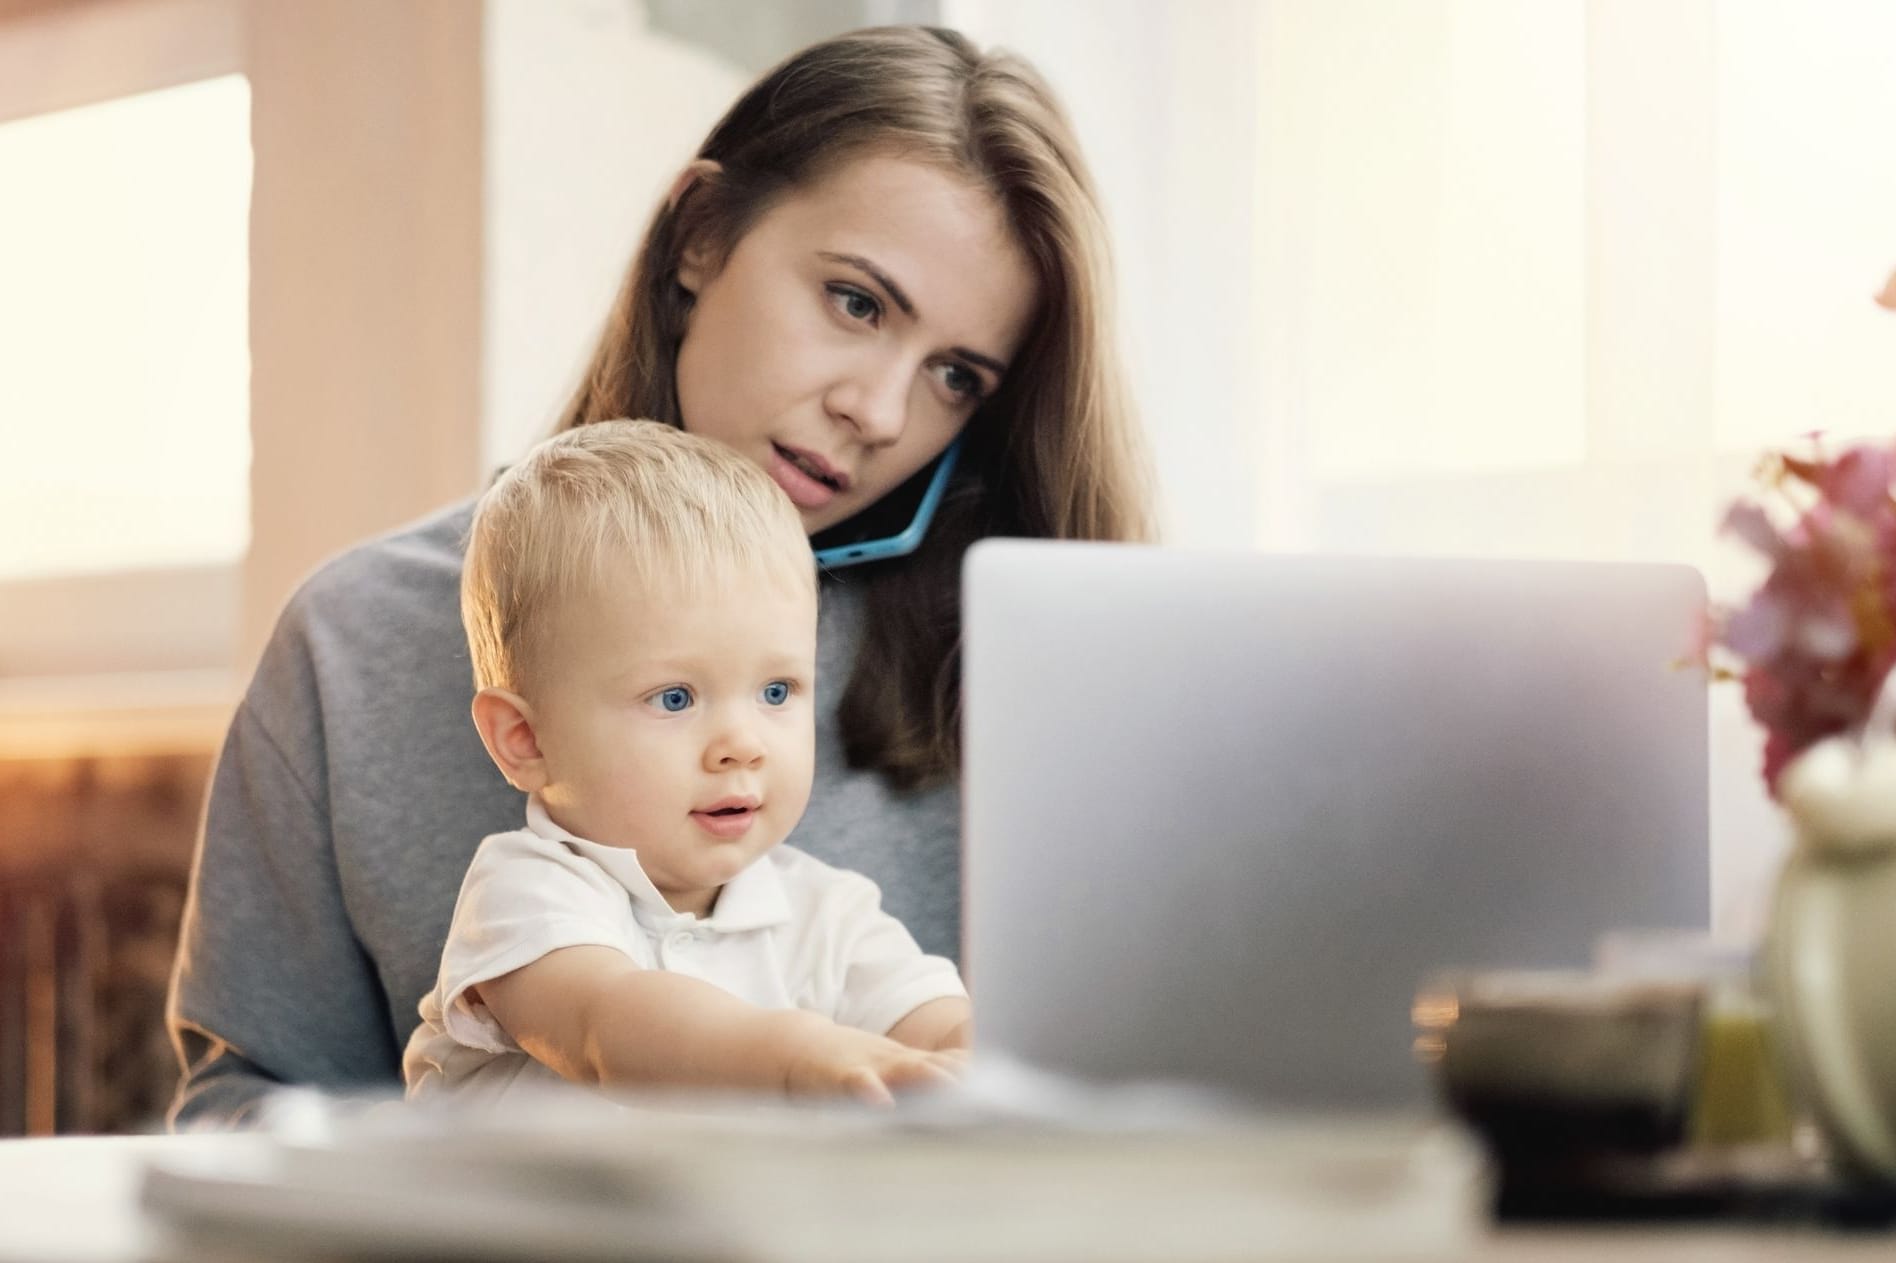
{"points": [[808, 482]]}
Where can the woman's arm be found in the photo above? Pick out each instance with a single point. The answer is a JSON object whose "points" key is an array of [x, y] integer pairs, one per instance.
{"points": [[270, 985], [594, 1017]]}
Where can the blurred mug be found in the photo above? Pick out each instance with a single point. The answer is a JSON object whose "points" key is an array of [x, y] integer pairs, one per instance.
{"points": [[1563, 1061]]}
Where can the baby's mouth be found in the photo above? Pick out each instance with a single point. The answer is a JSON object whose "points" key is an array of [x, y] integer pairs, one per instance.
{"points": [[727, 819], [732, 806]]}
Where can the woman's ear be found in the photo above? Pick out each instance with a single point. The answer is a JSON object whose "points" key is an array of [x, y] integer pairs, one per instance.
{"points": [[693, 260], [505, 723]]}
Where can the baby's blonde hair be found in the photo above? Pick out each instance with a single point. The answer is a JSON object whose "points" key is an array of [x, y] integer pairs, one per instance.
{"points": [[615, 502]]}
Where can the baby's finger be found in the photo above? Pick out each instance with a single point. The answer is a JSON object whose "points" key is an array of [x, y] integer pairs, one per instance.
{"points": [[918, 1072], [866, 1086]]}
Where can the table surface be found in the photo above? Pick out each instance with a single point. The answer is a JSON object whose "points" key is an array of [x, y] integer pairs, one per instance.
{"points": [[68, 1200]]}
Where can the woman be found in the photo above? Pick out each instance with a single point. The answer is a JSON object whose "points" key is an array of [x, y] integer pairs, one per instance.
{"points": [[888, 242]]}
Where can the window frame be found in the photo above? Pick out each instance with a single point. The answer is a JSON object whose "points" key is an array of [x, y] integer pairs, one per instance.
{"points": [[384, 197], [84, 665]]}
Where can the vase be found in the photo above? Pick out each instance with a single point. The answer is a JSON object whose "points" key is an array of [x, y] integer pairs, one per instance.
{"points": [[1830, 951]]}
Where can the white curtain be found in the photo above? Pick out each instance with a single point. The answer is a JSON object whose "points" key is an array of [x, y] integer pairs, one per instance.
{"points": [[1479, 277]]}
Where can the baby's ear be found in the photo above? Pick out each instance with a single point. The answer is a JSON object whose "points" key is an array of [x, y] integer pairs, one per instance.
{"points": [[505, 723]]}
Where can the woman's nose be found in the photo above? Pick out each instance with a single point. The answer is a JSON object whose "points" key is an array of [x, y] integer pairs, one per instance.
{"points": [[874, 400]]}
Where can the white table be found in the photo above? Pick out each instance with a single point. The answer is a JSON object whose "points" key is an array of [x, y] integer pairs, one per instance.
{"points": [[75, 1201]]}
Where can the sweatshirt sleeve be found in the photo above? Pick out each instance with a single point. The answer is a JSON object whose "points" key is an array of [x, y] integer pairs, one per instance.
{"points": [[270, 985]]}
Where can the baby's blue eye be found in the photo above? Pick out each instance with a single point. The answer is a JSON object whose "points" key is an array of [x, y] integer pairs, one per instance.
{"points": [[777, 692], [674, 699]]}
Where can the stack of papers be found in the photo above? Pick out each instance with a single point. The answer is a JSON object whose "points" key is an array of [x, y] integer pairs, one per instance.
{"points": [[1006, 1169]]}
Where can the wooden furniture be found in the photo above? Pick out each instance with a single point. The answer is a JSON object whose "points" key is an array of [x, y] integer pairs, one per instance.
{"points": [[94, 854]]}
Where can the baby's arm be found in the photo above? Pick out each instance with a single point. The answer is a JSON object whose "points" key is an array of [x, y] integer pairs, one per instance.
{"points": [[940, 1026], [594, 1017]]}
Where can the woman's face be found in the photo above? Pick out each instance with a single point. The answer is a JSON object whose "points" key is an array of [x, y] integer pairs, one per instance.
{"points": [[853, 331]]}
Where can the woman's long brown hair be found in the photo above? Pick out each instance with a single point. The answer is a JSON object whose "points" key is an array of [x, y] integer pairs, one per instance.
{"points": [[1055, 454]]}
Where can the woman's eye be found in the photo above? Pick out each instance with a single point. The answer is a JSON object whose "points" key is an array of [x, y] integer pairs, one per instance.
{"points": [[962, 381], [855, 304], [777, 692], [673, 699]]}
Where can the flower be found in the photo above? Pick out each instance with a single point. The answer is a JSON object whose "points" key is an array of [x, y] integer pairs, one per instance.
{"points": [[1816, 641]]}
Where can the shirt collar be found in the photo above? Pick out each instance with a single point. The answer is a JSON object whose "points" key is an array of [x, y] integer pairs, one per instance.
{"points": [[751, 900]]}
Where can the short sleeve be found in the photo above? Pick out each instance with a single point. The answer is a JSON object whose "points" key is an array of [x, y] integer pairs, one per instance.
{"points": [[886, 976], [523, 897]]}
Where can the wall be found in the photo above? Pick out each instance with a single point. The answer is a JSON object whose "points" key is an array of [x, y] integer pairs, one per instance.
{"points": [[1162, 97], [589, 114], [591, 108], [366, 231]]}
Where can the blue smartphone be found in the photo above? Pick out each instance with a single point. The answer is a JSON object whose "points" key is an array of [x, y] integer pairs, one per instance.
{"points": [[893, 526]]}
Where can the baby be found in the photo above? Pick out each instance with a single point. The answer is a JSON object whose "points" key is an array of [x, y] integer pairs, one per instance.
{"points": [[640, 606]]}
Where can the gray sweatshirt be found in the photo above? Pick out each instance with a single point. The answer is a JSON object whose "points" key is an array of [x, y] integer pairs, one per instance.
{"points": [[350, 795]]}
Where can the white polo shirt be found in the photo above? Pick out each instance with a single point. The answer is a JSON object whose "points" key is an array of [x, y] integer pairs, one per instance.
{"points": [[788, 932]]}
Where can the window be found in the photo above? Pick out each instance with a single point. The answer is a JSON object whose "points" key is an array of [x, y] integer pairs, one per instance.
{"points": [[123, 239], [124, 437], [1806, 219]]}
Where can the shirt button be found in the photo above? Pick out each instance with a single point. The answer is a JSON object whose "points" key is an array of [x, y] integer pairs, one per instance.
{"points": [[679, 940]]}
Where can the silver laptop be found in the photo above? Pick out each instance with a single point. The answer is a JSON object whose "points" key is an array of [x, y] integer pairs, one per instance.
{"points": [[1225, 811]]}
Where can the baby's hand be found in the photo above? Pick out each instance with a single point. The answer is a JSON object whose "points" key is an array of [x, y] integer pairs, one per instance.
{"points": [[831, 1060]]}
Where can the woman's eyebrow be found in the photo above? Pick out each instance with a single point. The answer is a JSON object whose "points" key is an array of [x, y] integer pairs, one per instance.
{"points": [[988, 362], [876, 274], [901, 299]]}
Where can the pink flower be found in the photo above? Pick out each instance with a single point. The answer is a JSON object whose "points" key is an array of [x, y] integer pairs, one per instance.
{"points": [[1815, 640]]}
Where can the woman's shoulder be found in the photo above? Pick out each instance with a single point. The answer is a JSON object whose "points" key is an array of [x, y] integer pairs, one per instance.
{"points": [[388, 583], [386, 610], [368, 659], [426, 552]]}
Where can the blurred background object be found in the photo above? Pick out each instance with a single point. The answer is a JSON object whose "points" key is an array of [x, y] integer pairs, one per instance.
{"points": [[93, 857]]}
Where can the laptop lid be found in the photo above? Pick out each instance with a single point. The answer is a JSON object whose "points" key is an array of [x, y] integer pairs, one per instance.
{"points": [[1225, 811]]}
